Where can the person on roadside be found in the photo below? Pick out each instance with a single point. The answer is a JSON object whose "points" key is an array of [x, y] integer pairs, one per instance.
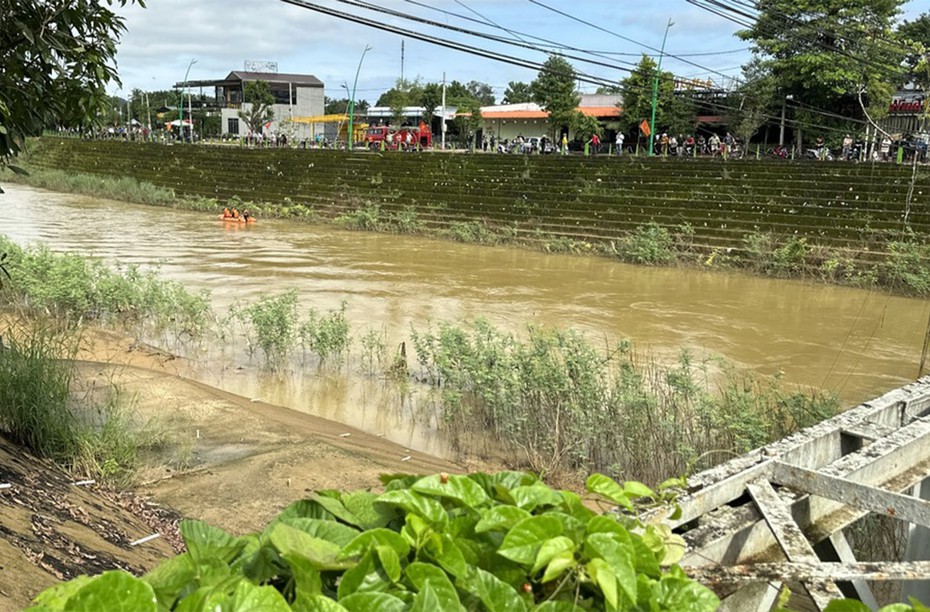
{"points": [[847, 147], [714, 144], [618, 142], [595, 144], [564, 143]]}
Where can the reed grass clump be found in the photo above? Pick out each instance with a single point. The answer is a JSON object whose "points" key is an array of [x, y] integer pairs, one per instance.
{"points": [[567, 406], [73, 287], [42, 409], [124, 189]]}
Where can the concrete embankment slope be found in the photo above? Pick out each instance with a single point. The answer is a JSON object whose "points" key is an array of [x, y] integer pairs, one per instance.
{"points": [[714, 204]]}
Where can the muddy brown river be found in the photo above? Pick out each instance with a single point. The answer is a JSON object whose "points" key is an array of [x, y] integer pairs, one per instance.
{"points": [[856, 343]]}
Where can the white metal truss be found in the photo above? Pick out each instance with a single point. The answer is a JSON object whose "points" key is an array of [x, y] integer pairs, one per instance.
{"points": [[778, 513]]}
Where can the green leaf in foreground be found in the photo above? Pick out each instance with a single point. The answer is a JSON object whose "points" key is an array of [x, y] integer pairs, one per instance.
{"points": [[322, 554], [115, 591], [251, 598], [207, 543], [494, 593], [374, 602], [523, 541], [461, 489]]}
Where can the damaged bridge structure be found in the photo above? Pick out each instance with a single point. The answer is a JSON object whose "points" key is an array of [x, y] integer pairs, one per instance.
{"points": [[781, 514]]}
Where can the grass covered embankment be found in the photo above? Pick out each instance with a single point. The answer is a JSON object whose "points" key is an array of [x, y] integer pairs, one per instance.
{"points": [[859, 224]]}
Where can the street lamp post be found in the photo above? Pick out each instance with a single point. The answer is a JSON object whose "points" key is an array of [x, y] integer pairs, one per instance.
{"points": [[352, 99], [655, 91], [181, 103], [781, 128]]}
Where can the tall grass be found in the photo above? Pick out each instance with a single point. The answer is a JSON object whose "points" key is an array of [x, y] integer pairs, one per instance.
{"points": [[124, 189], [41, 409], [73, 287], [35, 390], [567, 406]]}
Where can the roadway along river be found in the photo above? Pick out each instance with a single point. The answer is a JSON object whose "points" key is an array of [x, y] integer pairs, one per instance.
{"points": [[856, 343]]}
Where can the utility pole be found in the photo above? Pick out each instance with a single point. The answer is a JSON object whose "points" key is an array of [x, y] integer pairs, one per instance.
{"points": [[443, 111], [401, 59], [190, 113], [655, 91], [351, 136]]}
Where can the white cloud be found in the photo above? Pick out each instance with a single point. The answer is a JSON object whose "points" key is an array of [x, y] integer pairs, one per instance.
{"points": [[221, 34]]}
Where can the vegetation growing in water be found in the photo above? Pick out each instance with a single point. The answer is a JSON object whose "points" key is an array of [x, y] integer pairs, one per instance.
{"points": [[73, 287], [273, 323], [566, 406]]}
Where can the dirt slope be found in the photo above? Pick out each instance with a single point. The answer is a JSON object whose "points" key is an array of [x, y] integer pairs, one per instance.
{"points": [[225, 459]]}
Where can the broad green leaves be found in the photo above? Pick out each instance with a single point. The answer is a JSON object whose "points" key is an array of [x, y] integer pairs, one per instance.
{"points": [[451, 543]]}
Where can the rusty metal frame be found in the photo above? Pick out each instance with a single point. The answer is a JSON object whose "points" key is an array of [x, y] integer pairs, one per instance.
{"points": [[763, 517]]}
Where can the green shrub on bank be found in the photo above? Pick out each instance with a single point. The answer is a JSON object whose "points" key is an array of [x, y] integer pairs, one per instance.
{"points": [[502, 541], [74, 287], [365, 218], [650, 244], [565, 406]]}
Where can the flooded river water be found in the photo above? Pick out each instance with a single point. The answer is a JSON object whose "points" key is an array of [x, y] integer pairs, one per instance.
{"points": [[856, 343]]}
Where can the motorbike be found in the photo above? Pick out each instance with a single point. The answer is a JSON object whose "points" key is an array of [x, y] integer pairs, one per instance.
{"points": [[820, 154]]}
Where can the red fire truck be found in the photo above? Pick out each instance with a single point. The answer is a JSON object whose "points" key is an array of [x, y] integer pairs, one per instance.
{"points": [[404, 138]]}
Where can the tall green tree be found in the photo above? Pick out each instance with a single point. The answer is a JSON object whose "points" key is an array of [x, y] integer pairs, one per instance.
{"points": [[675, 113], [819, 51], [430, 98], [340, 106], [517, 92], [406, 92], [482, 92], [755, 102], [554, 90], [258, 95], [56, 60], [916, 37]]}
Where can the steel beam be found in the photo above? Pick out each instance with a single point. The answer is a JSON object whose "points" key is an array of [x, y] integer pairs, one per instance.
{"points": [[712, 575], [851, 493], [792, 540]]}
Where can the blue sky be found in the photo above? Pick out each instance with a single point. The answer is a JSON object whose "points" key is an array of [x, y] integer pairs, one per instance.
{"points": [[221, 35]]}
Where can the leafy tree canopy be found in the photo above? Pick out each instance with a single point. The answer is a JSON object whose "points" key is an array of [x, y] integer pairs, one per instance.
{"points": [[916, 35], [821, 50], [674, 113], [258, 95], [56, 60], [405, 92], [482, 92], [554, 90], [430, 98], [340, 106], [517, 92]]}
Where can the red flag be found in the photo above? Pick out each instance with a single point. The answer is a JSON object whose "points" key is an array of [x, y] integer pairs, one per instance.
{"points": [[644, 128]]}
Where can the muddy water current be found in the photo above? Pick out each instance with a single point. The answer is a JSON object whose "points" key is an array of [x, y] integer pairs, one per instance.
{"points": [[856, 343]]}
